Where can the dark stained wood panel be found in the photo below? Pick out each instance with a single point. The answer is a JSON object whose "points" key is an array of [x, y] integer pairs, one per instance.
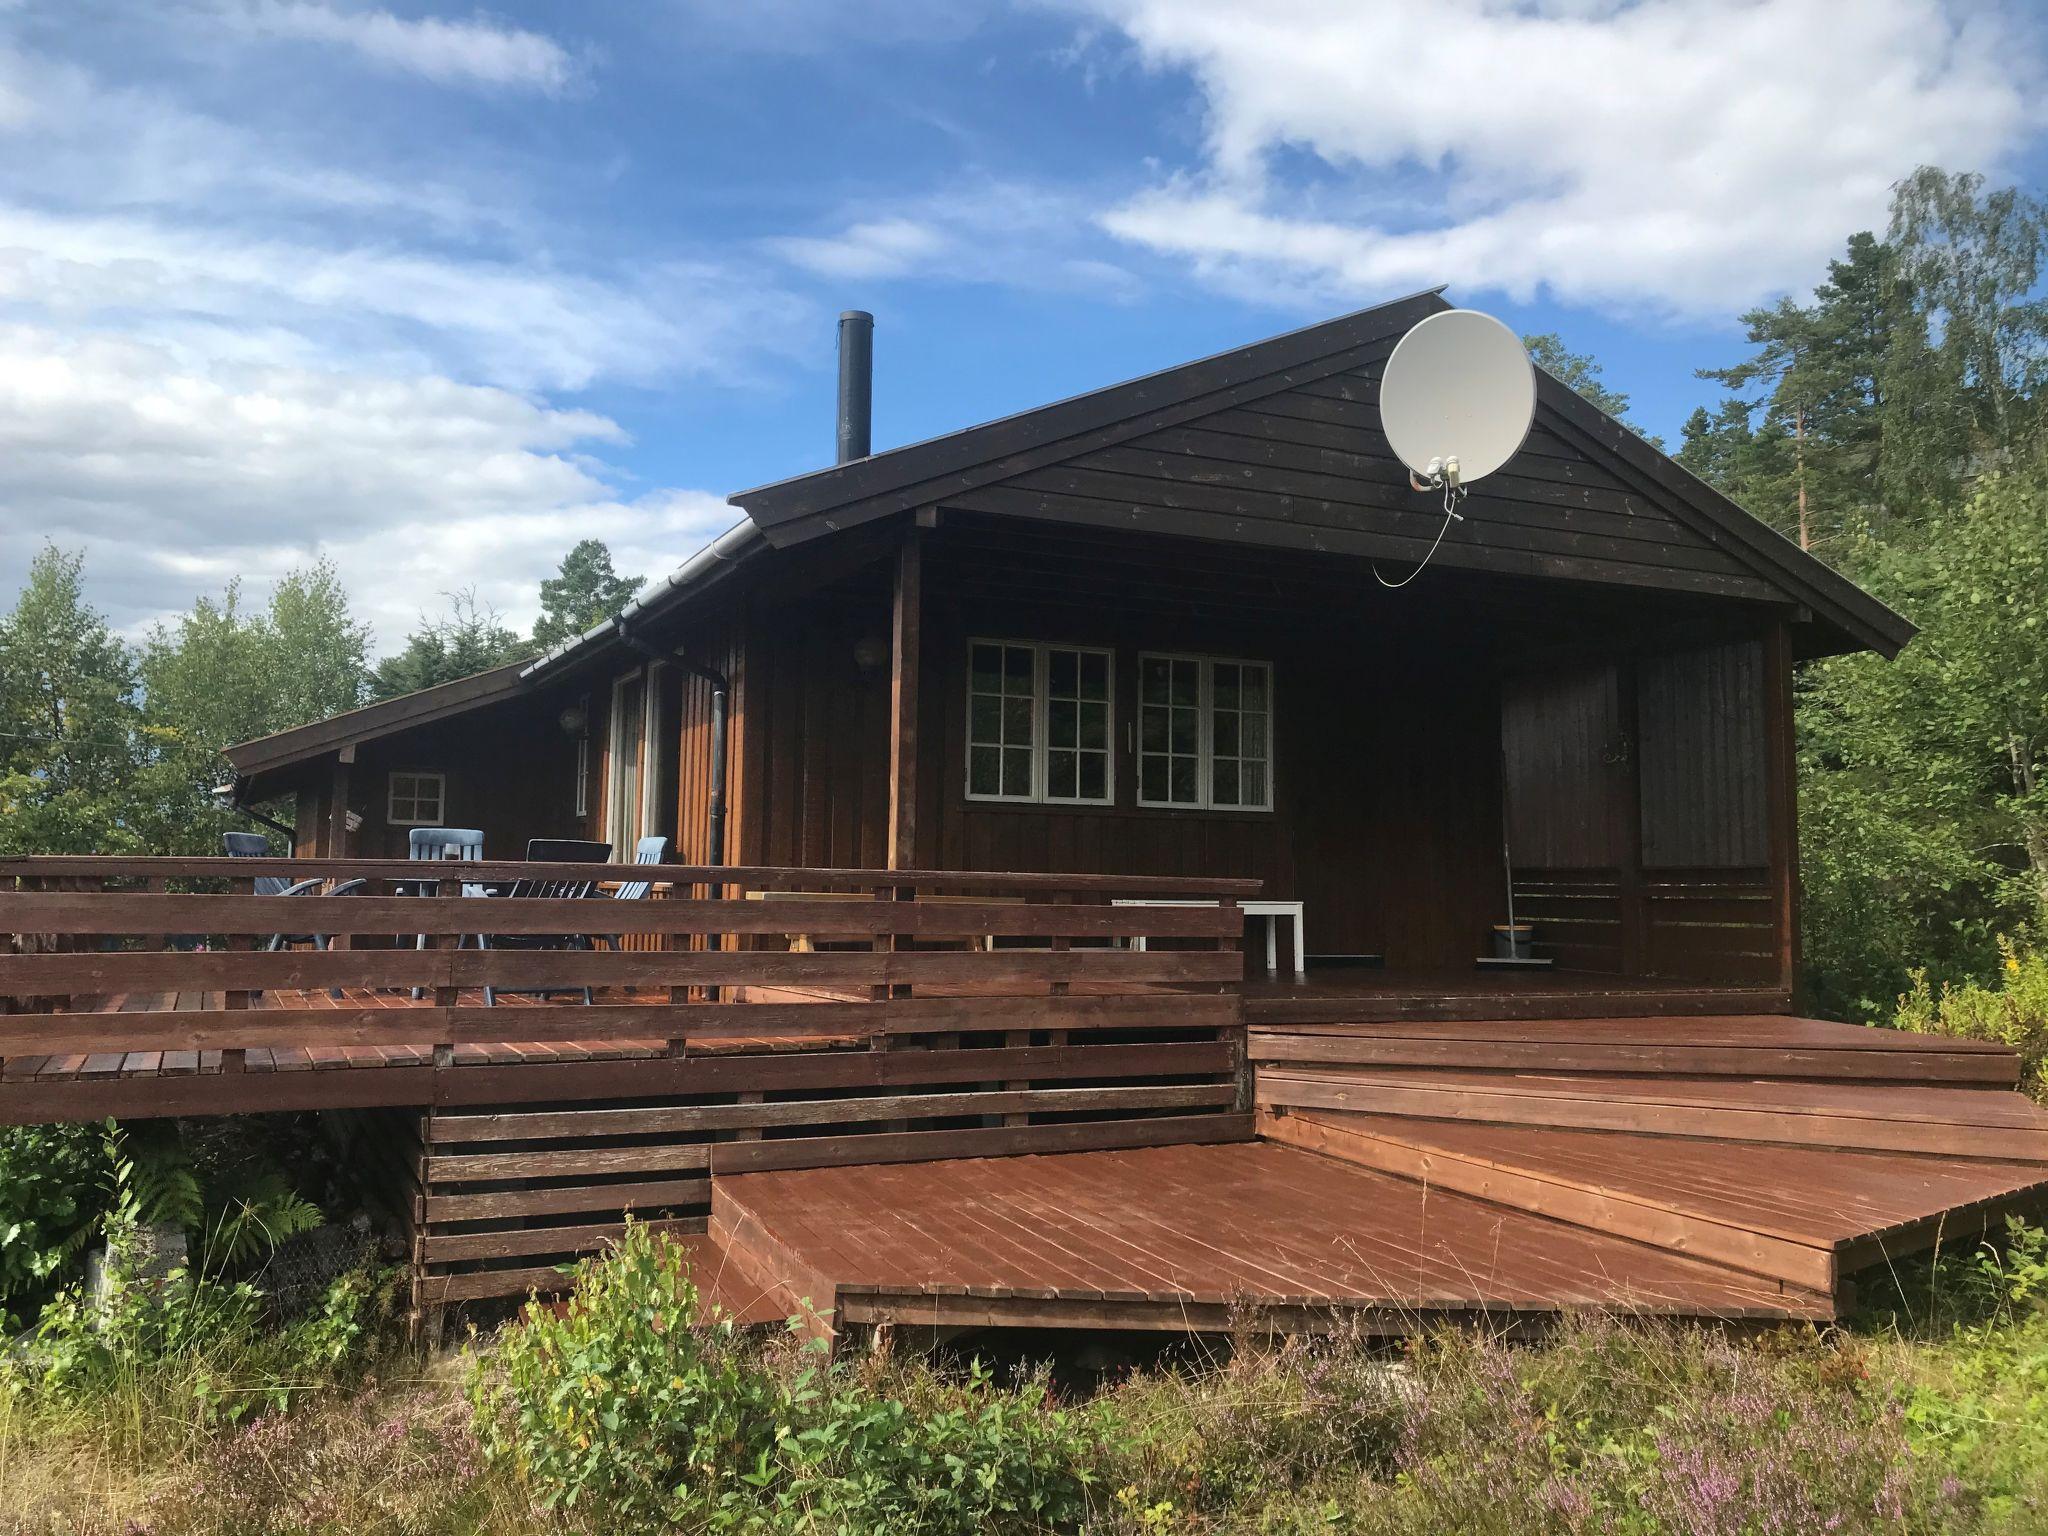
{"points": [[1566, 759], [1700, 728]]}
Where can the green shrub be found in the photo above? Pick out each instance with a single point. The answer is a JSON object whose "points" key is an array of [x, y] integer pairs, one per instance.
{"points": [[2013, 1013], [52, 1183], [620, 1410], [615, 1406], [960, 1458]]}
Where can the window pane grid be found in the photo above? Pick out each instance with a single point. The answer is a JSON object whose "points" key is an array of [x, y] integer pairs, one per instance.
{"points": [[1204, 733], [414, 799], [1077, 725], [1039, 721], [1239, 740]]}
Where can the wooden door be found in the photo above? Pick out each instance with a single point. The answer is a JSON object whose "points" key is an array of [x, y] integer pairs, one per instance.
{"points": [[1569, 777]]}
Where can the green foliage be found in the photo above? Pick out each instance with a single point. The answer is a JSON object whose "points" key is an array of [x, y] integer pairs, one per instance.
{"points": [[626, 1410], [1581, 373], [62, 1186], [70, 745], [2012, 1013], [583, 592], [221, 674], [1969, 352], [467, 640], [148, 1364], [50, 1182], [1797, 442], [614, 1407], [1273, 1421], [106, 749], [1924, 781]]}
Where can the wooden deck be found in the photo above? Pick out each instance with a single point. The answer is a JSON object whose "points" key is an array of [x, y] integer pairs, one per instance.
{"points": [[1183, 1238], [1734, 1167], [915, 1124]]}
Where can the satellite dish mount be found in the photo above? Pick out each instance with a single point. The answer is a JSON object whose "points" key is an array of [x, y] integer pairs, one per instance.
{"points": [[1456, 402]]}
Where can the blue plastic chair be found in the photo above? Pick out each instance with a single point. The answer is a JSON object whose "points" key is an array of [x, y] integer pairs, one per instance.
{"points": [[441, 844]]}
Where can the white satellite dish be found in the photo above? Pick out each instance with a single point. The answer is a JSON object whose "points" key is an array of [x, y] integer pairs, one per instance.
{"points": [[1457, 398]]}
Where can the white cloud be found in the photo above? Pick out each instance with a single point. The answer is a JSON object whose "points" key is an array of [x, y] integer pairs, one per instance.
{"points": [[515, 322], [222, 352], [174, 477], [974, 231], [1676, 155], [476, 52]]}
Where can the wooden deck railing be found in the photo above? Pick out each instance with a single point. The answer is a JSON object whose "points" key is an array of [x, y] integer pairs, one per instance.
{"points": [[109, 954]]}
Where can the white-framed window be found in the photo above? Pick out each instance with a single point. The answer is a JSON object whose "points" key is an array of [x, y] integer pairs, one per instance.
{"points": [[1039, 723], [416, 799], [583, 774], [1205, 733]]}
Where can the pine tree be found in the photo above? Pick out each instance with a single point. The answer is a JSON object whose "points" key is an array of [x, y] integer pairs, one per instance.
{"points": [[584, 592], [468, 640]]}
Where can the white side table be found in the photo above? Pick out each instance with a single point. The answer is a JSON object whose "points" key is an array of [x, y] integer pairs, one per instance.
{"points": [[1274, 912]]}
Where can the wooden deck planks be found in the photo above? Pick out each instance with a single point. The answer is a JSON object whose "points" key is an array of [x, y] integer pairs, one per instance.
{"points": [[1207, 1226]]}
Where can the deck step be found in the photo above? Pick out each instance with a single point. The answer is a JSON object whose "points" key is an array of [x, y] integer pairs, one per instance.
{"points": [[1779, 1047], [1808, 1216], [1952, 1121]]}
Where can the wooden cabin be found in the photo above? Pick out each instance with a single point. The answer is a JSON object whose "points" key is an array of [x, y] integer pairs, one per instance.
{"points": [[978, 756], [1153, 630]]}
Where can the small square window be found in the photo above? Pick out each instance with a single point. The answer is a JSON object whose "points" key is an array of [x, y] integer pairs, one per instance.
{"points": [[416, 800]]}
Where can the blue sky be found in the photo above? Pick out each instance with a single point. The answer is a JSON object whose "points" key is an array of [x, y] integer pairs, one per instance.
{"points": [[435, 290]]}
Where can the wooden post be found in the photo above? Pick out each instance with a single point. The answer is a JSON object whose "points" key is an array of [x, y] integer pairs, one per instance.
{"points": [[337, 806], [904, 643], [232, 1059], [1782, 797]]}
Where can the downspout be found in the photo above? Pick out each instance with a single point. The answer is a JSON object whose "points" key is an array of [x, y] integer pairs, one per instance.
{"points": [[721, 692]]}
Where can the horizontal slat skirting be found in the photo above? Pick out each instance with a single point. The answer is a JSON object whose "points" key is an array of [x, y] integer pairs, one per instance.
{"points": [[427, 1024], [459, 1130], [841, 1069], [215, 970], [928, 1146], [563, 1163], [461, 1247], [648, 1196], [120, 912]]}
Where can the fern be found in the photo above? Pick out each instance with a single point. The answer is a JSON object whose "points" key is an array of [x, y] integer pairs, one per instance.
{"points": [[253, 1223]]}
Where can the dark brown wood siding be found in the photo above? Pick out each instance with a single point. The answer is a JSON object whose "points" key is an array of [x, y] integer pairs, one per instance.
{"points": [[1308, 468], [510, 772], [1566, 752], [1700, 726]]}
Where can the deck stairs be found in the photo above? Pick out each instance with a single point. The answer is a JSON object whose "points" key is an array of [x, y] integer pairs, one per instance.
{"points": [[1792, 1149]]}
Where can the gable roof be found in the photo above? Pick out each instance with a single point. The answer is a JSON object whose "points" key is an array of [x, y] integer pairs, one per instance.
{"points": [[384, 718], [975, 460]]}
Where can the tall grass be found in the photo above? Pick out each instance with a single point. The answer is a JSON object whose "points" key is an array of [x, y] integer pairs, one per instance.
{"points": [[1929, 1416]]}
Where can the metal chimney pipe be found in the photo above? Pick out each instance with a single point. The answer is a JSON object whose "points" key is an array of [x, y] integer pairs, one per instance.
{"points": [[856, 384]]}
